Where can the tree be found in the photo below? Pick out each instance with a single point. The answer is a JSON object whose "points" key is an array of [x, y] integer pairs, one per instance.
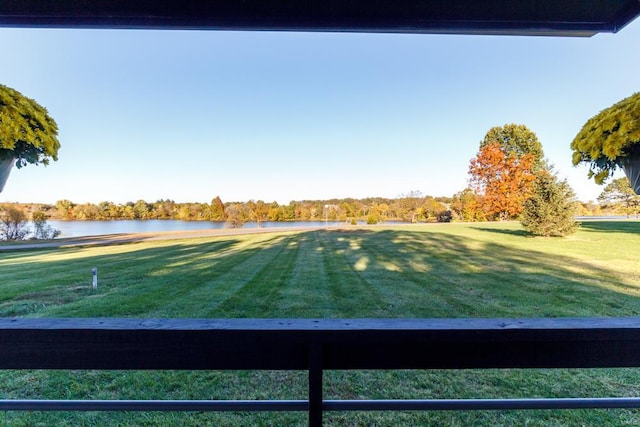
{"points": [[611, 139], [433, 209], [217, 209], [467, 206], [518, 140], [259, 211], [42, 230], [165, 209], [550, 210], [65, 209], [141, 209], [503, 179], [13, 223], [86, 211], [235, 215], [27, 133], [619, 191]]}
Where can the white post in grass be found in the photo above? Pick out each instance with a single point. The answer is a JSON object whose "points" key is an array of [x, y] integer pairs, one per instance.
{"points": [[94, 273]]}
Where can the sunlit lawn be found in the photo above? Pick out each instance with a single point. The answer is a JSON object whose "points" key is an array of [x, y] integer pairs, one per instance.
{"points": [[439, 270]]}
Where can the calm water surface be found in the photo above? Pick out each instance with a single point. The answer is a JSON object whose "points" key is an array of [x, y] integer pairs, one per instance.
{"points": [[95, 228]]}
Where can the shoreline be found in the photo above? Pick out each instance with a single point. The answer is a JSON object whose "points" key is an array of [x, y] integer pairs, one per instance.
{"points": [[123, 238]]}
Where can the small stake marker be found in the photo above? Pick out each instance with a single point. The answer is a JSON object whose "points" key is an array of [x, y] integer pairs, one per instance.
{"points": [[94, 273]]}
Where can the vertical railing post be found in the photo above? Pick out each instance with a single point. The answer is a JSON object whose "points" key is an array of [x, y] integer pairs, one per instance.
{"points": [[315, 385]]}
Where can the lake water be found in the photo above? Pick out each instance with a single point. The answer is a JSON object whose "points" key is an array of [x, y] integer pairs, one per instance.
{"points": [[95, 228]]}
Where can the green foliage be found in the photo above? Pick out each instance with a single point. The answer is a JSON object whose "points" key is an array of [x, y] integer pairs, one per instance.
{"points": [[433, 209], [619, 193], [609, 139], [551, 209], [27, 131], [515, 139], [373, 218], [466, 206]]}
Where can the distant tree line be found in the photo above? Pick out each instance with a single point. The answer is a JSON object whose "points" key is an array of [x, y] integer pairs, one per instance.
{"points": [[467, 205], [412, 207]]}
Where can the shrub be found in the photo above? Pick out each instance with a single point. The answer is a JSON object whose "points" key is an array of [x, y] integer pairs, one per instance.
{"points": [[551, 208]]}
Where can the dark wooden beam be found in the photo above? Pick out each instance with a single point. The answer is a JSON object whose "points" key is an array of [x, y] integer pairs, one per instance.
{"points": [[345, 344], [558, 17]]}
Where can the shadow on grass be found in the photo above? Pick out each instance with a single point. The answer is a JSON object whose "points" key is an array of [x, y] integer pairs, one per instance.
{"points": [[519, 233], [325, 273], [611, 226]]}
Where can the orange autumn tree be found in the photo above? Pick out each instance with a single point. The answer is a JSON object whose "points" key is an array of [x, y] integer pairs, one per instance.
{"points": [[504, 180]]}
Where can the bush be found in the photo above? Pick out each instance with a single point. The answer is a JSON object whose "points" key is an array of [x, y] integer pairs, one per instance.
{"points": [[550, 211], [13, 223], [373, 218], [42, 230]]}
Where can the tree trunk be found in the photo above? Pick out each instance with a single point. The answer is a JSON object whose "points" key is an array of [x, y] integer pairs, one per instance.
{"points": [[632, 170], [5, 169]]}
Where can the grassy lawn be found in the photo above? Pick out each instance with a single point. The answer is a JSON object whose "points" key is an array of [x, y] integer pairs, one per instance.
{"points": [[439, 270]]}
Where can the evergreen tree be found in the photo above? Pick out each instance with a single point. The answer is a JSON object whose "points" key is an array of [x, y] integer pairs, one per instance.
{"points": [[550, 210]]}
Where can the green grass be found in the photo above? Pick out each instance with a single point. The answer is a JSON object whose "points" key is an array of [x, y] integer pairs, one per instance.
{"points": [[444, 270]]}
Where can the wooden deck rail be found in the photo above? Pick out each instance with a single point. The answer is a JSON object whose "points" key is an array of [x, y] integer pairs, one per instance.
{"points": [[316, 345]]}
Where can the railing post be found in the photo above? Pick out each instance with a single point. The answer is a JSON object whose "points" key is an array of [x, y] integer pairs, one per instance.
{"points": [[315, 385]]}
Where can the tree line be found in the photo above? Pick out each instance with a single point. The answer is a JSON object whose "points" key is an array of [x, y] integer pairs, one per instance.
{"points": [[412, 207]]}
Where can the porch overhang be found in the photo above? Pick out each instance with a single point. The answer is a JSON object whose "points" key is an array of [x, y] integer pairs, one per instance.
{"points": [[509, 17]]}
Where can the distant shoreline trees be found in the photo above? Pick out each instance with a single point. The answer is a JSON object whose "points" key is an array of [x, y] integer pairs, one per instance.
{"points": [[466, 206], [410, 208]]}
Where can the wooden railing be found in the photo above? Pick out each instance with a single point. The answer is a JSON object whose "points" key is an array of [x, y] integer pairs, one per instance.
{"points": [[316, 345]]}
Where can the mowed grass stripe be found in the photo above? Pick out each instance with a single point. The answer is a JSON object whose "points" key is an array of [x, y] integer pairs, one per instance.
{"points": [[351, 293], [307, 292], [260, 294], [216, 280], [409, 284], [135, 284]]}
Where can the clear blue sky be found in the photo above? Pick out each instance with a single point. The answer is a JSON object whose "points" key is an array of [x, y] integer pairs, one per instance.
{"points": [[188, 115]]}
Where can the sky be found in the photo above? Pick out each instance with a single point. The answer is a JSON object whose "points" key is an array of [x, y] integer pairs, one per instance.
{"points": [[191, 115]]}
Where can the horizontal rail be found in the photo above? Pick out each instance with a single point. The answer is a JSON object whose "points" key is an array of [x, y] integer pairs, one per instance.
{"points": [[327, 405], [316, 345], [480, 404], [284, 344], [155, 405]]}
